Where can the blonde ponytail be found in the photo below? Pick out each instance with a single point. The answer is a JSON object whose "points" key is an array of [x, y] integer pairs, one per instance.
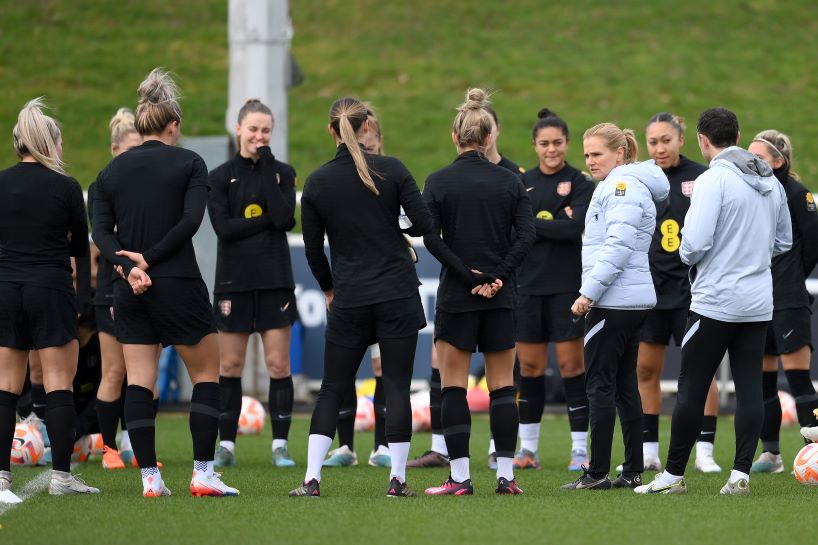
{"points": [[346, 117], [632, 147], [158, 103], [616, 138], [37, 135], [121, 125], [473, 123]]}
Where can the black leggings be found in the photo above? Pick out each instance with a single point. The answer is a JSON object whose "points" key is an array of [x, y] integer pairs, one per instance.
{"points": [[705, 342], [611, 347], [340, 367]]}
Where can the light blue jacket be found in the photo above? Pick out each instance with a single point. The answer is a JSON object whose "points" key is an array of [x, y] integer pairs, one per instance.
{"points": [[737, 221], [618, 229]]}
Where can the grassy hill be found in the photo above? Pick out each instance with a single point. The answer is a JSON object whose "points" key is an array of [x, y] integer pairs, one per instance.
{"points": [[590, 61]]}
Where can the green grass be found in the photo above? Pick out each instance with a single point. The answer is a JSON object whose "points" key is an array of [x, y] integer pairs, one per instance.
{"points": [[354, 509], [590, 61]]}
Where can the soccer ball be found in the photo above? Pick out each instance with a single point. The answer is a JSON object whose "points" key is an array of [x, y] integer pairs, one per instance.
{"points": [[252, 417], [805, 466], [96, 444], [789, 416], [421, 414], [365, 415], [83, 447], [27, 445]]}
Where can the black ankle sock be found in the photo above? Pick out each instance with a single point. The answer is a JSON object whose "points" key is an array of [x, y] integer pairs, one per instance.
{"points": [[651, 425], [771, 426], [708, 433], [532, 399], [204, 420], [806, 401], [504, 420], [434, 402], [38, 400], [61, 421], [346, 418], [108, 416], [141, 424], [576, 401], [8, 417], [379, 400], [280, 402], [456, 420], [230, 407]]}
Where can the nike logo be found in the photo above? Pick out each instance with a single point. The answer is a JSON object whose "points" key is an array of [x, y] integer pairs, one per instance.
{"points": [[345, 412], [529, 188], [286, 306], [572, 409], [787, 334], [233, 180]]}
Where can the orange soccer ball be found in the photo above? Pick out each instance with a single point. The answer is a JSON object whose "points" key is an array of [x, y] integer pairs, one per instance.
{"points": [[252, 417], [805, 466]]}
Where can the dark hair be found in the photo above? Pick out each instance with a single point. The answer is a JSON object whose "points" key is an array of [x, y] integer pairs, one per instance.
{"points": [[346, 117], [252, 106], [677, 122], [720, 126], [547, 118]]}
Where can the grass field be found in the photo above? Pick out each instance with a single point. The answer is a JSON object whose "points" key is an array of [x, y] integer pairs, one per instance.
{"points": [[354, 509], [590, 61]]}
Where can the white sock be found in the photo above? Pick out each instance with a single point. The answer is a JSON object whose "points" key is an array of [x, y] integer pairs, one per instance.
{"points": [[530, 436], [668, 478], [229, 445], [125, 441], [704, 448], [579, 440], [203, 468], [439, 444], [736, 475], [492, 448], [400, 453], [278, 443], [505, 468], [460, 469], [650, 450], [318, 446]]}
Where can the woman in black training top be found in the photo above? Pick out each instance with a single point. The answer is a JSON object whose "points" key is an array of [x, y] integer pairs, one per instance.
{"points": [[155, 195], [547, 284], [251, 206], [38, 307], [475, 205], [371, 289]]}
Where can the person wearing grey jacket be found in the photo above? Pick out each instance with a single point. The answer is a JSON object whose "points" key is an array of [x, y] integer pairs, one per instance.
{"points": [[738, 220], [616, 293]]}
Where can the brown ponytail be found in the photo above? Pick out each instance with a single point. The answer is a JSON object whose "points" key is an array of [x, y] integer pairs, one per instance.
{"points": [[346, 117]]}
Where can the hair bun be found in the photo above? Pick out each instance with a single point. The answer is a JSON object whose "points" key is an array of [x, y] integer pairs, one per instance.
{"points": [[476, 98], [545, 112], [252, 101], [157, 88]]}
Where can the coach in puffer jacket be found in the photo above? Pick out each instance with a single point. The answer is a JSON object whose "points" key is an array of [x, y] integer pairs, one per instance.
{"points": [[619, 226]]}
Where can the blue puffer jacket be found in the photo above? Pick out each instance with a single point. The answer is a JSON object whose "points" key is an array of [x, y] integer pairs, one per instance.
{"points": [[618, 229]]}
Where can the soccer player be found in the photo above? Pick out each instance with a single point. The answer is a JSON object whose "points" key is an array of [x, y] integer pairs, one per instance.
{"points": [[149, 203], [789, 336], [615, 296], [735, 201], [38, 306], [665, 138], [371, 288], [548, 282], [475, 206], [109, 407], [251, 207]]}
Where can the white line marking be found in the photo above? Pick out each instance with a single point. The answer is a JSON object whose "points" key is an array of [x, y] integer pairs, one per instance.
{"points": [[31, 488]]}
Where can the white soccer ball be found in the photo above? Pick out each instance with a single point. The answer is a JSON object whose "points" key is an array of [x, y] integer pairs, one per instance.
{"points": [[252, 417], [365, 415], [27, 445], [421, 413], [789, 415], [805, 466]]}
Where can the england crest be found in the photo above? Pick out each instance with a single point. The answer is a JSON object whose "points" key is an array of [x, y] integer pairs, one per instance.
{"points": [[225, 306], [687, 188], [564, 189]]}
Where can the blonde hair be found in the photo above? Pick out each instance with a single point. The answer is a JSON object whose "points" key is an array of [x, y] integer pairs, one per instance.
{"points": [[158, 102], [121, 125], [616, 138], [37, 134], [779, 145], [473, 124], [346, 117]]}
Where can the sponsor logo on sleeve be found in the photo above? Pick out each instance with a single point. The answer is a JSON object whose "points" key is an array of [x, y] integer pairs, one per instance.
{"points": [[620, 189], [564, 189], [687, 188], [252, 211], [810, 202], [545, 215]]}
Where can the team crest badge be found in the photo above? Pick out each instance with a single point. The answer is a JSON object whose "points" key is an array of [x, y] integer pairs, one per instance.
{"points": [[620, 189], [687, 188], [810, 202], [225, 307], [564, 189]]}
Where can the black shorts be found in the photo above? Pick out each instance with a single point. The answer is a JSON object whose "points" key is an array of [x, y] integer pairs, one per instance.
{"points": [[174, 311], [479, 330], [32, 317], [359, 327], [662, 325], [105, 319], [789, 331], [254, 311], [546, 318]]}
